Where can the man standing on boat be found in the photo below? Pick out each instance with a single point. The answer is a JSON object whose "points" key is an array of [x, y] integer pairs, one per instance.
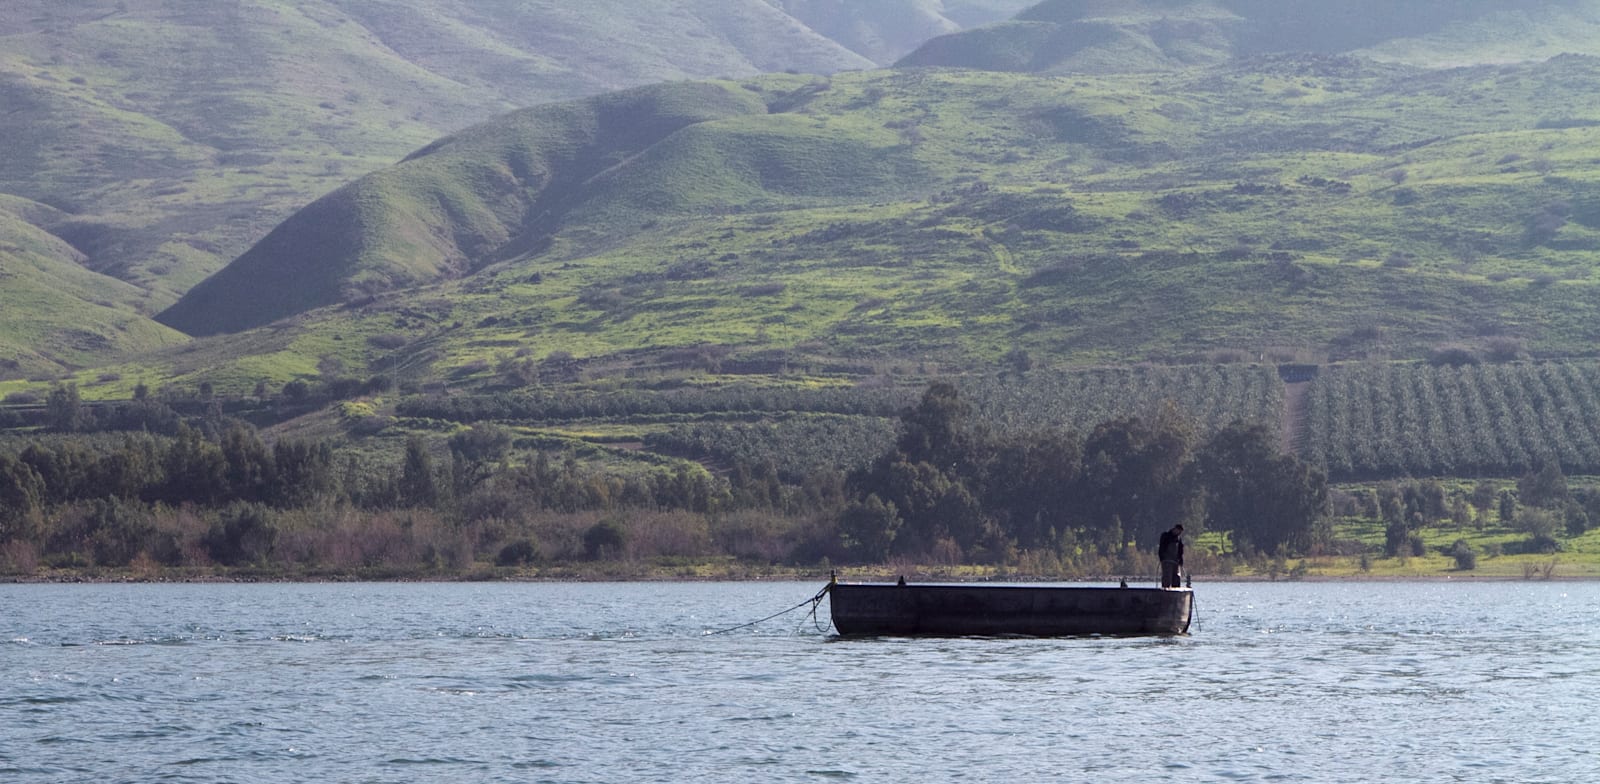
{"points": [[1170, 551]]}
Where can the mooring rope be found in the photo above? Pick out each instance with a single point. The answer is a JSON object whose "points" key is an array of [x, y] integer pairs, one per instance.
{"points": [[1194, 602], [814, 601]]}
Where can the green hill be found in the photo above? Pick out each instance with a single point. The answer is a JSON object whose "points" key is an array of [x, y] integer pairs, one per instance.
{"points": [[959, 202], [450, 208], [57, 314], [1286, 208], [886, 30], [206, 123], [1075, 36], [171, 135]]}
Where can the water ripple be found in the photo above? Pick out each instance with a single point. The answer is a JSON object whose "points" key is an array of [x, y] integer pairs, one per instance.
{"points": [[603, 683]]}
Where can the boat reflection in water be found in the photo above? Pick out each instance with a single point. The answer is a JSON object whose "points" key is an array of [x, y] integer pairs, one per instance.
{"points": [[889, 609]]}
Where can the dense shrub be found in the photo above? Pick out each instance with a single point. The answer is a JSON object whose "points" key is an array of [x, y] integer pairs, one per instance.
{"points": [[244, 535], [519, 553], [604, 540]]}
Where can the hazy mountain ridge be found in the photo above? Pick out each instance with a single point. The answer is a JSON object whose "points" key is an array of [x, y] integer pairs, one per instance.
{"points": [[278, 95], [1076, 36], [886, 30]]}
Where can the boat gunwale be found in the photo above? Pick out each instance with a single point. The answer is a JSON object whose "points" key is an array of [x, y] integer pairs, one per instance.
{"points": [[908, 621]]}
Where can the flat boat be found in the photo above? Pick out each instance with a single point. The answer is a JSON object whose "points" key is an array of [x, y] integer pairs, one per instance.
{"points": [[895, 610]]}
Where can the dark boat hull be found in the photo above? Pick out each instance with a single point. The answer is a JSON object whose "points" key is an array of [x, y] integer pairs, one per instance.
{"points": [[1042, 611]]}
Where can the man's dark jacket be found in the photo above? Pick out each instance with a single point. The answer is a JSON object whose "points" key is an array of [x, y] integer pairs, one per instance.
{"points": [[1171, 548]]}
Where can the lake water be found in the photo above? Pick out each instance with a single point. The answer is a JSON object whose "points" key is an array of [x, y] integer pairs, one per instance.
{"points": [[1295, 682]]}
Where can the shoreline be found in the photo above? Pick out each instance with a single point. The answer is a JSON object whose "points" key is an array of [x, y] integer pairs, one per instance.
{"points": [[797, 576]]}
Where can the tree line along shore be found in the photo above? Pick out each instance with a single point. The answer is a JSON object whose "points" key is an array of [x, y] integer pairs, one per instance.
{"points": [[946, 492]]}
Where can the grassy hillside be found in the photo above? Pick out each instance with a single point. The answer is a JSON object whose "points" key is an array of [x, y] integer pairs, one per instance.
{"points": [[57, 313], [267, 105], [171, 135], [448, 209], [1315, 208], [886, 30], [1071, 37], [1099, 36]]}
